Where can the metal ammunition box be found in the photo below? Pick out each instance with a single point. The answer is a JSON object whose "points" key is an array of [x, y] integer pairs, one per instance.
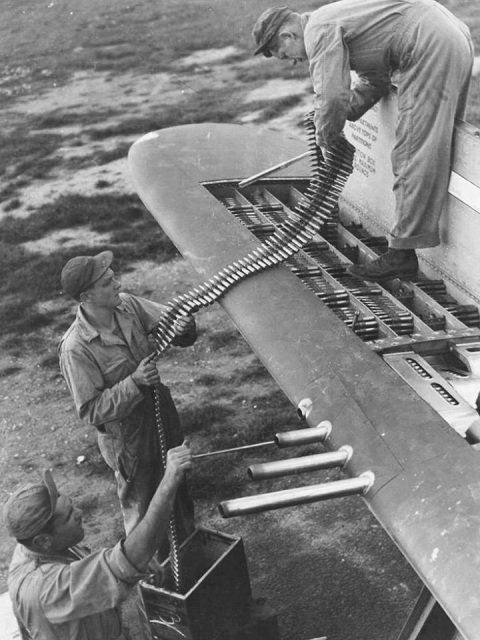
{"points": [[216, 599]]}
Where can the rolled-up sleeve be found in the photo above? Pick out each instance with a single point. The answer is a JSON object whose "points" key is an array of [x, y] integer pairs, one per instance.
{"points": [[91, 585], [330, 73], [93, 401]]}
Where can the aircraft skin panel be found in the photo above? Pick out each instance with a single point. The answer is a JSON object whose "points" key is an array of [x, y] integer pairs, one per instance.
{"points": [[427, 479], [182, 169]]}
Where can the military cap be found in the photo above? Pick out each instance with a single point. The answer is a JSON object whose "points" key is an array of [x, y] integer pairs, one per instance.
{"points": [[29, 508], [267, 26], [81, 272]]}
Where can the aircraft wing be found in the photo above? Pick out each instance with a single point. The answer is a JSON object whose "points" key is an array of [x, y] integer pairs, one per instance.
{"points": [[426, 492]]}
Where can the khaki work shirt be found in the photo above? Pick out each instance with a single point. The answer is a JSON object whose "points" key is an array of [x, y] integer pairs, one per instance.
{"points": [[370, 37], [98, 366], [70, 596]]}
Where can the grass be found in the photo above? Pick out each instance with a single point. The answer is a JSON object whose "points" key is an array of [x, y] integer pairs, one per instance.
{"points": [[220, 339], [9, 371], [102, 184], [11, 189], [207, 379], [261, 71], [59, 118], [27, 155], [206, 105], [14, 203], [208, 416], [274, 108], [67, 39], [102, 213], [250, 373], [32, 277], [105, 45], [110, 155]]}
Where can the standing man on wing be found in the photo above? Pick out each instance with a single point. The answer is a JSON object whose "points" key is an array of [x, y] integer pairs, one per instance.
{"points": [[432, 53], [106, 360]]}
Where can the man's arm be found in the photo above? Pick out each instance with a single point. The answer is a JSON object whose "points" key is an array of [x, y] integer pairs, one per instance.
{"points": [[142, 542], [329, 62], [367, 91], [185, 331]]}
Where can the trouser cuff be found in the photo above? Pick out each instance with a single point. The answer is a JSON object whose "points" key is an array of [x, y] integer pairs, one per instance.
{"points": [[414, 242]]}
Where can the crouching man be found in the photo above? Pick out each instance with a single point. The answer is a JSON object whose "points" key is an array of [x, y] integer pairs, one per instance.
{"points": [[61, 590]]}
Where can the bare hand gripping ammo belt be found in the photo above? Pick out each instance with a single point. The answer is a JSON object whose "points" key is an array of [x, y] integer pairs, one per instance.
{"points": [[314, 209]]}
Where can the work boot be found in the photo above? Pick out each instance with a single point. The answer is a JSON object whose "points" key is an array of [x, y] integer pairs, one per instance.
{"points": [[395, 263]]}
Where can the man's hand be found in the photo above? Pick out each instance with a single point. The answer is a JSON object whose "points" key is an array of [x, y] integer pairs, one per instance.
{"points": [[179, 460], [185, 331], [146, 373], [329, 151], [183, 325]]}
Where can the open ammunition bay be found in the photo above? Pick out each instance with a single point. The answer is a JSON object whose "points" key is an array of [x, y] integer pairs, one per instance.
{"points": [[422, 332]]}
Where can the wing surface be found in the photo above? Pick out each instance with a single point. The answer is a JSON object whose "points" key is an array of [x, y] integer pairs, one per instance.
{"points": [[427, 479]]}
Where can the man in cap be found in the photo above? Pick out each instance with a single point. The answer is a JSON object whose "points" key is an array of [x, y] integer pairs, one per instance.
{"points": [[431, 53], [105, 358], [60, 589]]}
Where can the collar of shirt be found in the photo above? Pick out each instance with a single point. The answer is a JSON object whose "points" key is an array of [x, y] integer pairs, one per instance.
{"points": [[88, 332]]}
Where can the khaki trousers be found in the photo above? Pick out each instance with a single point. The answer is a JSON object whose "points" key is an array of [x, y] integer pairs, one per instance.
{"points": [[432, 92]]}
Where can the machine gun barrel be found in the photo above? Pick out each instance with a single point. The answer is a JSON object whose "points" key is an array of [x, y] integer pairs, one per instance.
{"points": [[283, 439], [279, 468], [298, 495]]}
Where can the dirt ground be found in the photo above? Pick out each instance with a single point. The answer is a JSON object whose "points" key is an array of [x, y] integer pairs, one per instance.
{"points": [[326, 569]]}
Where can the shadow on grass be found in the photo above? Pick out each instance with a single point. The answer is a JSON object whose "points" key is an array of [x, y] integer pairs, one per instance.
{"points": [[213, 105], [98, 158], [9, 371], [250, 373], [271, 69], [66, 118], [104, 157], [276, 108], [27, 155], [208, 380]]}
